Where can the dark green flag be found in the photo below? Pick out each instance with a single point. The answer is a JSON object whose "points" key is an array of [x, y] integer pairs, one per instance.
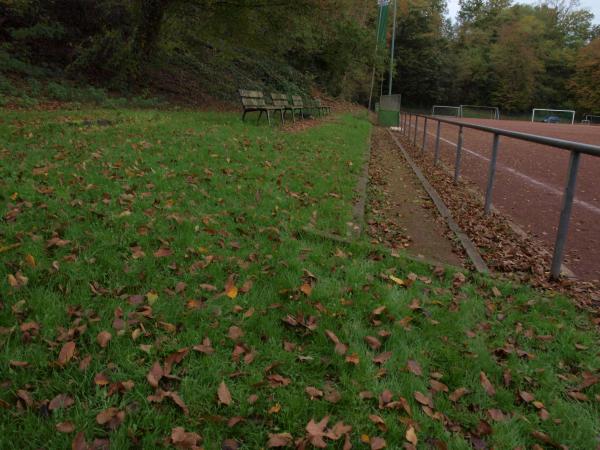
{"points": [[382, 23]]}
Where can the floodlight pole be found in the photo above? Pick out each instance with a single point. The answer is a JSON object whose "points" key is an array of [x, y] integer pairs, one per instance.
{"points": [[393, 47]]}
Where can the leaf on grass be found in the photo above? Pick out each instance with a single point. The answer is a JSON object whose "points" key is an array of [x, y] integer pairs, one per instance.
{"points": [[66, 353], [205, 347], [163, 252], [101, 379], [382, 358], [231, 290], [378, 421], [155, 374], [235, 333], [224, 394], [496, 415], [353, 359], [487, 385], [184, 439], [316, 432], [280, 440], [306, 289], [423, 399], [103, 338], [398, 281], [437, 386], [377, 443], [313, 392], [414, 367], [79, 442], [458, 393], [340, 348], [373, 342], [111, 417], [526, 396], [411, 436], [65, 427], [61, 401], [160, 395]]}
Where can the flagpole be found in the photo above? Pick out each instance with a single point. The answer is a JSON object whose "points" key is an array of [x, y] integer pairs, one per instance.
{"points": [[392, 51], [376, 48]]}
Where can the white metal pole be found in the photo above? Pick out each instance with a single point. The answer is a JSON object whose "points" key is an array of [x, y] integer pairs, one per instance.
{"points": [[392, 51]]}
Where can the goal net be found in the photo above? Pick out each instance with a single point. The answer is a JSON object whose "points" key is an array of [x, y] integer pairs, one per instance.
{"points": [[480, 112], [439, 110], [553, 115], [591, 119]]}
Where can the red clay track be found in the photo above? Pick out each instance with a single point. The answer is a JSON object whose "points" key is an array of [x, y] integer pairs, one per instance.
{"points": [[530, 180]]}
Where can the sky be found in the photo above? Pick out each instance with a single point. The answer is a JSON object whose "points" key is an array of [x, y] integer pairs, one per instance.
{"points": [[592, 5]]}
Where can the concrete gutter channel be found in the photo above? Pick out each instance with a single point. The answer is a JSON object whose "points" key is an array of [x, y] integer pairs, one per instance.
{"points": [[565, 271], [468, 245]]}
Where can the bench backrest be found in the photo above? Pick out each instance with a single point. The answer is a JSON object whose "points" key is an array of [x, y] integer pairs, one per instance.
{"points": [[297, 101], [279, 99], [252, 99]]}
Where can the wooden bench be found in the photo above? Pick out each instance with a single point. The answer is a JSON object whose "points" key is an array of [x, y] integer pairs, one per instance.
{"points": [[298, 103], [282, 101], [254, 101], [326, 109]]}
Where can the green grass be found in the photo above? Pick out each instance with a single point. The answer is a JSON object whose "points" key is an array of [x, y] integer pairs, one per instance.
{"points": [[230, 200]]}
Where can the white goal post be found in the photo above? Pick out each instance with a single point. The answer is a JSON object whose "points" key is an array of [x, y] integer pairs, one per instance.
{"points": [[591, 119], [553, 112], [441, 110], [477, 111]]}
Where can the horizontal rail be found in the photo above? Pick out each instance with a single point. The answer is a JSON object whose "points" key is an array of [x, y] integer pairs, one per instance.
{"points": [[588, 149], [575, 149]]}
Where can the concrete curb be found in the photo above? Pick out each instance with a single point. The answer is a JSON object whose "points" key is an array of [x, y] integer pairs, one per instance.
{"points": [[467, 244], [356, 227]]}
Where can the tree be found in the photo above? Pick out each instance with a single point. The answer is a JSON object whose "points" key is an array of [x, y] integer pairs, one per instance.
{"points": [[586, 81]]}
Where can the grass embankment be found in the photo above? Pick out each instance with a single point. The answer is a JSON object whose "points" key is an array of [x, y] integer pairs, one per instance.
{"points": [[130, 238]]}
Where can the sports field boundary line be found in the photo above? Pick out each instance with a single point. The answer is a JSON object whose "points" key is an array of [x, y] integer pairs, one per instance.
{"points": [[465, 241]]}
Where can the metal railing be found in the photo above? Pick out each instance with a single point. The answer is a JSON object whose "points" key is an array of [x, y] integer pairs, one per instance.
{"points": [[575, 148]]}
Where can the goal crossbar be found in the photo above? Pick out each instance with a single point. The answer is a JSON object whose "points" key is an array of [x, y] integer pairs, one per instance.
{"points": [[570, 111], [494, 110], [453, 108]]}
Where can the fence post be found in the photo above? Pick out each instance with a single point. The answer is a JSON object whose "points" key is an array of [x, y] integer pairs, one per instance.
{"points": [[565, 216], [416, 130], [424, 136], [437, 144], [409, 125], [458, 154], [491, 175]]}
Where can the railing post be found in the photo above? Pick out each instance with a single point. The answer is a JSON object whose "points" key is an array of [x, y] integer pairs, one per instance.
{"points": [[491, 175], [458, 154], [404, 124], [416, 130], [409, 125], [424, 136], [436, 157], [565, 216]]}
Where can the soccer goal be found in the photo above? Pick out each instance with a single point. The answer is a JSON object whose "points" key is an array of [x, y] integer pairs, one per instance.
{"points": [[439, 110], [480, 112], [553, 115], [591, 119]]}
